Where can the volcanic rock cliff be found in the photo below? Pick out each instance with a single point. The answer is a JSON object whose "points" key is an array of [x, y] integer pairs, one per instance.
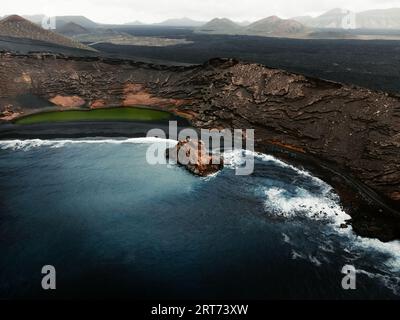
{"points": [[354, 128]]}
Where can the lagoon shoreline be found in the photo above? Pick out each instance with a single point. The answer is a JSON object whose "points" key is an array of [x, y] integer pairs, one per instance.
{"points": [[84, 129]]}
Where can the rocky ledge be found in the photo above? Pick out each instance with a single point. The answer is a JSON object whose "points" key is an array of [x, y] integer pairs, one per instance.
{"points": [[194, 156], [355, 129]]}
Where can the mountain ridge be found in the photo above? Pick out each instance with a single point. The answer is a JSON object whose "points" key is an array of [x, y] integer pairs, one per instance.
{"points": [[18, 27], [221, 26], [180, 22], [379, 19], [276, 26], [270, 26]]}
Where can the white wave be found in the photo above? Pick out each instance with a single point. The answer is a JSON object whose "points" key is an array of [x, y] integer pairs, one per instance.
{"points": [[236, 158], [297, 255], [29, 144], [286, 238], [389, 281], [314, 261], [325, 206], [389, 249], [211, 176], [327, 247]]}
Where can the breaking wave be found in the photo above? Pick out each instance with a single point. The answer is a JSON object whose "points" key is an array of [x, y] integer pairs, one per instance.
{"points": [[318, 201], [321, 204], [237, 158], [26, 145], [325, 206]]}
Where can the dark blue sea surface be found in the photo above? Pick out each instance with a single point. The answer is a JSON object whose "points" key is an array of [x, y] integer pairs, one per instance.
{"points": [[115, 226]]}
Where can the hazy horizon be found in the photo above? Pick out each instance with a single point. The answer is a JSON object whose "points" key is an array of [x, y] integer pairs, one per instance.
{"points": [[153, 11]]}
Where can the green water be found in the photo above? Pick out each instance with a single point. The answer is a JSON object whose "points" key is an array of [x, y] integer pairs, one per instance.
{"points": [[112, 114]]}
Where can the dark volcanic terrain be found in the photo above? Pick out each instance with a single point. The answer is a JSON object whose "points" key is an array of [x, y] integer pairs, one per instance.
{"points": [[373, 64]]}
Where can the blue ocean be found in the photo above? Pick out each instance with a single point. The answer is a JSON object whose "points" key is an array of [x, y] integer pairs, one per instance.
{"points": [[114, 226]]}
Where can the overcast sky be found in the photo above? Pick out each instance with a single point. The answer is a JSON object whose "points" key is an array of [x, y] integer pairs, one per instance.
{"points": [[120, 11]]}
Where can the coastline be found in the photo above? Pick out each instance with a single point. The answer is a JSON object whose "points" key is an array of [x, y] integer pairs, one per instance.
{"points": [[372, 215]]}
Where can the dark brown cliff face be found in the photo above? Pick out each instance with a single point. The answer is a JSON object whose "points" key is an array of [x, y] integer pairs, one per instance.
{"points": [[354, 128]]}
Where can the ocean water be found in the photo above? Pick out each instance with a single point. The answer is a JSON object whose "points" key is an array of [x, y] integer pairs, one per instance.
{"points": [[115, 226]]}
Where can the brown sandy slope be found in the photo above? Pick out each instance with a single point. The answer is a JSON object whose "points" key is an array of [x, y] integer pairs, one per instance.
{"points": [[18, 27]]}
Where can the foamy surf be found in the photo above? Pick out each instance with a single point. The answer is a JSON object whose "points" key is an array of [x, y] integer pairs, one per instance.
{"points": [[237, 158], [26, 145], [354, 251], [325, 206], [390, 270], [390, 249], [389, 281]]}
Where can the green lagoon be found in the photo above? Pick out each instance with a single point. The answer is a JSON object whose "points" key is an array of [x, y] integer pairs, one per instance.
{"points": [[110, 114]]}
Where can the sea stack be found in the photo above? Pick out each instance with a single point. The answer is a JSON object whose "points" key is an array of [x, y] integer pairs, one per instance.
{"points": [[193, 155]]}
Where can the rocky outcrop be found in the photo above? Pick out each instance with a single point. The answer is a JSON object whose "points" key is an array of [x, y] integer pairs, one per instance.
{"points": [[194, 156], [6, 114], [356, 129]]}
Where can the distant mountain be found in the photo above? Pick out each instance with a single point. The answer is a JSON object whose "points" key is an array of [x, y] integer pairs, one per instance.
{"points": [[182, 22], [221, 26], [63, 20], [80, 20], [379, 19], [268, 27], [345, 19], [275, 26], [306, 20], [243, 23], [36, 18], [18, 27], [134, 23], [334, 19], [72, 29]]}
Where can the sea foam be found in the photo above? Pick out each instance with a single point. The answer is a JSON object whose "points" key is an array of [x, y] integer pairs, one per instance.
{"points": [[26, 145], [323, 205]]}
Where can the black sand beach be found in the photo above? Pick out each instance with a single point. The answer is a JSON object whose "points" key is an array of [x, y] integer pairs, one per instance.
{"points": [[131, 129]]}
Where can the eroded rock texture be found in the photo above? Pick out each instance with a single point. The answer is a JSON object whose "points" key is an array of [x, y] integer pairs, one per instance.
{"points": [[194, 156], [355, 128]]}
